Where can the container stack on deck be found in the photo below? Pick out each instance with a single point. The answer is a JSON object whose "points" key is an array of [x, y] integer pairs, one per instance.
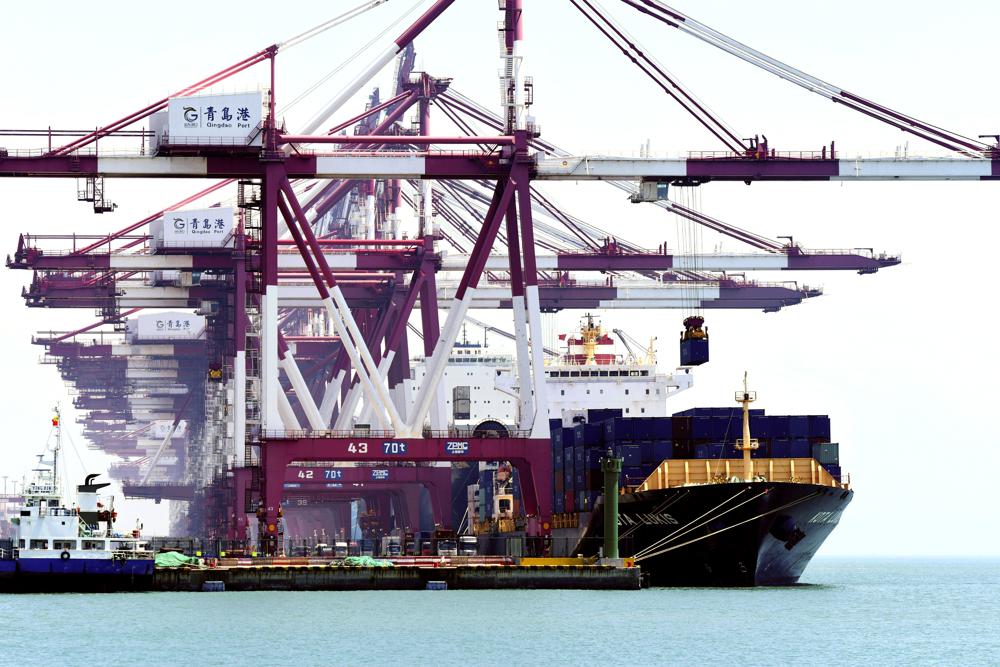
{"points": [[699, 433]]}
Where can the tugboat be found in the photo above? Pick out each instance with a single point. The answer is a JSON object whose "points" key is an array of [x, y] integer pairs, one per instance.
{"points": [[61, 549]]}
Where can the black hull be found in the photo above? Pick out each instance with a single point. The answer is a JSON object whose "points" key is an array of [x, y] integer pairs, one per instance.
{"points": [[69, 583], [757, 534]]}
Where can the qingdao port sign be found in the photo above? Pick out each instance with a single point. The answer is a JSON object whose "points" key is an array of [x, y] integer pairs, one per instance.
{"points": [[196, 228], [215, 119]]}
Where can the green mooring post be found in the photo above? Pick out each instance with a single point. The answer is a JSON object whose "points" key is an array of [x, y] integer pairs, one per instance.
{"points": [[612, 468]]}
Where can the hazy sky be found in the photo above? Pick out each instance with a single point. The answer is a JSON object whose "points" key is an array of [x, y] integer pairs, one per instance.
{"points": [[904, 361]]}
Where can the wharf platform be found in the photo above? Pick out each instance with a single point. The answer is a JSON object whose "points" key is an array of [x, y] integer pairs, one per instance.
{"points": [[352, 578]]}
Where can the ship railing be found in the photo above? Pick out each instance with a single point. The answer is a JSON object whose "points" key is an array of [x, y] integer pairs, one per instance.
{"points": [[688, 472]]}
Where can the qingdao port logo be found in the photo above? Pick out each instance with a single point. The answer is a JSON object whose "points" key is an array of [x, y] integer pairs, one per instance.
{"points": [[190, 114]]}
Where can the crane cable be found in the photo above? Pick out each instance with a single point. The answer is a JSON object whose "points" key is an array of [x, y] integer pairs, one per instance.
{"points": [[336, 70], [326, 25]]}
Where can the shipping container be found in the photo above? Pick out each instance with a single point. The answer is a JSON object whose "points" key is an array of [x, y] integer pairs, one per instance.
{"points": [[781, 448], [694, 412], [760, 427], [701, 428], [827, 453], [643, 428], [712, 412], [654, 452], [662, 450], [663, 428], [619, 430], [570, 501], [708, 450], [763, 450], [602, 415], [631, 455], [819, 427], [778, 427], [681, 427], [694, 351], [569, 466], [682, 449], [593, 457], [801, 448], [724, 428], [798, 426]]}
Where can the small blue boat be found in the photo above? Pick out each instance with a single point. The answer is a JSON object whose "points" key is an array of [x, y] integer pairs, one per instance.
{"points": [[61, 549]]}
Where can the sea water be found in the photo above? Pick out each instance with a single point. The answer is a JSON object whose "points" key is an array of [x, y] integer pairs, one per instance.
{"points": [[846, 611]]}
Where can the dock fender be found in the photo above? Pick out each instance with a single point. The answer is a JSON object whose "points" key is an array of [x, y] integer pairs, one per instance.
{"points": [[64, 555]]}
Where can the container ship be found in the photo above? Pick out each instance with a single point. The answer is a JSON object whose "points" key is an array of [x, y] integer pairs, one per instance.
{"points": [[697, 505]]}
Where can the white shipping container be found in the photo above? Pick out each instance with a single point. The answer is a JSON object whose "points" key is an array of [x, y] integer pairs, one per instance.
{"points": [[195, 228], [216, 120], [165, 326]]}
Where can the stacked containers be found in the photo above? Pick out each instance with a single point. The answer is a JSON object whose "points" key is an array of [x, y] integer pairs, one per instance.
{"points": [[559, 480], [713, 432], [644, 442]]}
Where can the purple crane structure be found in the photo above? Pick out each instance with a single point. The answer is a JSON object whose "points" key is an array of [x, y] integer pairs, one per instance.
{"points": [[308, 308]]}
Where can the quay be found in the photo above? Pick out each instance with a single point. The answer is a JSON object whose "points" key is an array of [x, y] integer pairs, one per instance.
{"points": [[353, 578]]}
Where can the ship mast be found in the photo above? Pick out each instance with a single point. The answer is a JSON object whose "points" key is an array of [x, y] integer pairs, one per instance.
{"points": [[590, 333], [57, 422], [746, 444]]}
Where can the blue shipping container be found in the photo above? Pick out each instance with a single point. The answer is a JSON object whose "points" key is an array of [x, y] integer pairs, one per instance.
{"points": [[701, 428], [631, 455], [708, 450], [798, 426], [694, 351], [801, 448], [781, 448], [593, 458], [778, 426], [819, 427], [760, 427], [618, 430], [644, 428], [602, 415]]}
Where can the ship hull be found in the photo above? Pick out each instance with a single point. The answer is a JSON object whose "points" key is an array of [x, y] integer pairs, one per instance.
{"points": [[55, 575], [733, 534]]}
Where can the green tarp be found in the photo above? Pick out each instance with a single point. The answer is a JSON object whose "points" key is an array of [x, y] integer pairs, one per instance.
{"points": [[175, 559], [366, 561]]}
